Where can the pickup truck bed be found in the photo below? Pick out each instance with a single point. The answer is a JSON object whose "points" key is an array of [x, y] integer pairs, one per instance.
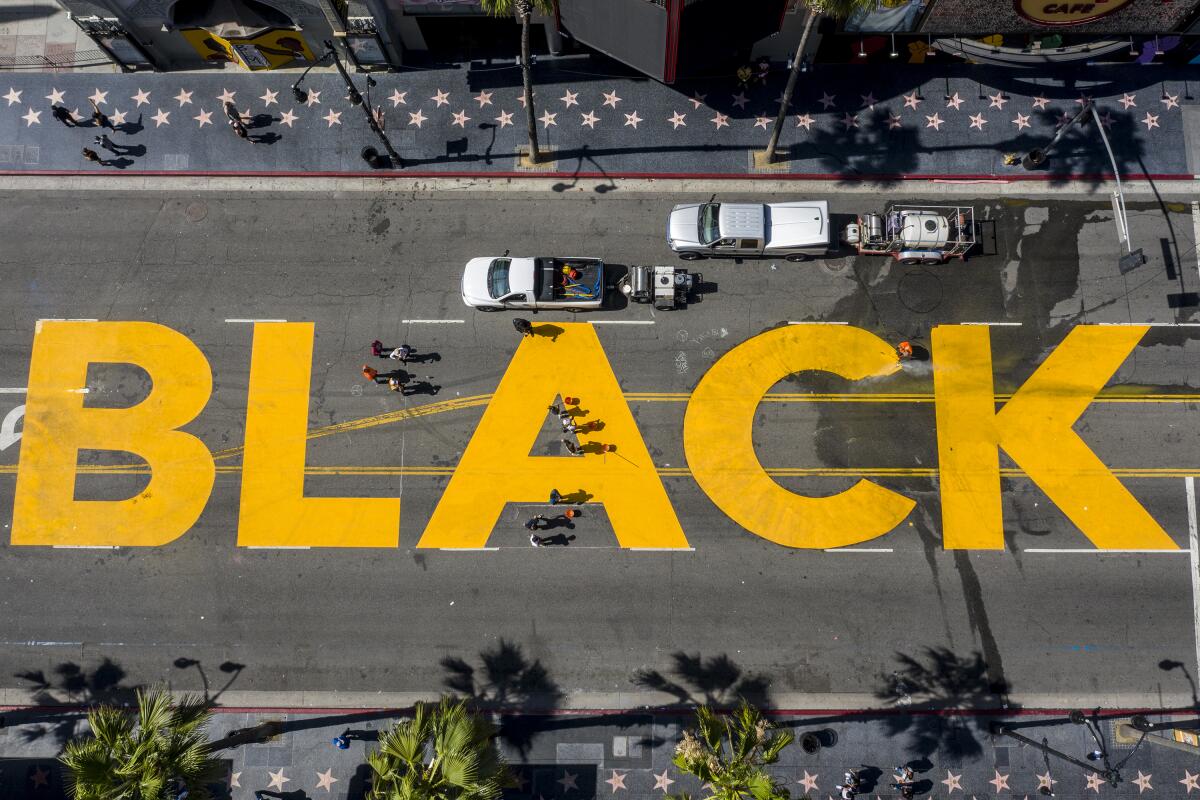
{"points": [[553, 283]]}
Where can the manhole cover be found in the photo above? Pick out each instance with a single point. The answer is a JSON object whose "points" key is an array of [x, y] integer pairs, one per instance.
{"points": [[196, 211], [835, 266], [920, 292]]}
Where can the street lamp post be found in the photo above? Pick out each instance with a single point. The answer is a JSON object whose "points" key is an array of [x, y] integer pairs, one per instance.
{"points": [[356, 99], [1108, 773], [298, 93], [1038, 156], [1079, 718]]}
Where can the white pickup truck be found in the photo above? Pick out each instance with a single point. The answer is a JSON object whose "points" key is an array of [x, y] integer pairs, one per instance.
{"points": [[795, 231], [492, 284]]}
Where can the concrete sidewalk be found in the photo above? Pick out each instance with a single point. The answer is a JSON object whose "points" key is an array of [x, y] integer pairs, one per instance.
{"points": [[847, 122], [627, 755]]}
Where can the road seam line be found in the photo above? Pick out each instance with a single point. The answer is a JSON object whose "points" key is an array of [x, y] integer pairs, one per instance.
{"points": [[814, 322], [432, 321], [277, 547], [621, 321], [995, 324], [238, 319]]}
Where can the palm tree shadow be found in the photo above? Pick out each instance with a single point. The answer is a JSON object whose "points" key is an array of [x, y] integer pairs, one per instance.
{"points": [[505, 683], [714, 681], [938, 680], [70, 685]]}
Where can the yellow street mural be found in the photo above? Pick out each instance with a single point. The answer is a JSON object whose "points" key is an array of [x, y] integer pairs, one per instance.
{"points": [[1033, 426], [720, 449], [496, 467], [274, 511], [58, 426]]}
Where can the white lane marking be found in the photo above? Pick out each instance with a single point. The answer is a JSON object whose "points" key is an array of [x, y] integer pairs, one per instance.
{"points": [[277, 547], [1196, 232], [1150, 324], [814, 322], [14, 390], [238, 319], [859, 550], [433, 321], [40, 644], [621, 321], [995, 324], [1096, 552], [1194, 551], [85, 547], [79, 391], [663, 549], [467, 549]]}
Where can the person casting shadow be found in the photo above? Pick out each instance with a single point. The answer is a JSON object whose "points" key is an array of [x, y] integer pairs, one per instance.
{"points": [[557, 540]]}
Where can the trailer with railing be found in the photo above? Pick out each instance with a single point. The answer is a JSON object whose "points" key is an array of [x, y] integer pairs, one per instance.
{"points": [[914, 234]]}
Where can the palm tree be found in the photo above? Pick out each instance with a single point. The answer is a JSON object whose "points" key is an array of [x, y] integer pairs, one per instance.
{"points": [[443, 753], [150, 758], [523, 9], [816, 8], [729, 754]]}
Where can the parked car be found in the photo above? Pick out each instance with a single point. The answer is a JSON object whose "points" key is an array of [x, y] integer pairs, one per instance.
{"points": [[492, 284], [795, 231]]}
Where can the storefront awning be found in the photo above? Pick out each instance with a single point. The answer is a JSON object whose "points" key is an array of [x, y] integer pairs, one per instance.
{"points": [[984, 53]]}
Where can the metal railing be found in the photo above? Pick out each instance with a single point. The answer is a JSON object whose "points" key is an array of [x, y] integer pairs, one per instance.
{"points": [[76, 59]]}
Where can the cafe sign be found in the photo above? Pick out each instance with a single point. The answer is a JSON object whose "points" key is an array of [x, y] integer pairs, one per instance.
{"points": [[1047, 12]]}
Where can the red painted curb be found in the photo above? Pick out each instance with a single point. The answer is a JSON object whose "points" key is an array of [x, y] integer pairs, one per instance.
{"points": [[791, 176], [670, 711]]}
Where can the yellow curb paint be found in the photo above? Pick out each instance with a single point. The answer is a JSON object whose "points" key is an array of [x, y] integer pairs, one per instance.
{"points": [[718, 441], [274, 511], [58, 425], [1035, 429], [496, 467]]}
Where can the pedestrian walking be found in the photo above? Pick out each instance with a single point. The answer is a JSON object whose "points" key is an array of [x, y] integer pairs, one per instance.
{"points": [[340, 742], [395, 384], [232, 112], [377, 348], [555, 497], [99, 118], [401, 354], [535, 522], [845, 792], [523, 326], [91, 155], [571, 447], [370, 373], [535, 540], [240, 129], [105, 143], [61, 114]]}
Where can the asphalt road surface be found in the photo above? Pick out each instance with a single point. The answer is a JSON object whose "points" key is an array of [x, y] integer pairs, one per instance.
{"points": [[1046, 616]]}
